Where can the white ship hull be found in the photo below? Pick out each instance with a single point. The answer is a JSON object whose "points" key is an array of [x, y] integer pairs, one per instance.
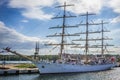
{"points": [[51, 68]]}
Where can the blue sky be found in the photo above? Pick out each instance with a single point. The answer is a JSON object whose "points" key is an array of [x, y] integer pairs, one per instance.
{"points": [[23, 22]]}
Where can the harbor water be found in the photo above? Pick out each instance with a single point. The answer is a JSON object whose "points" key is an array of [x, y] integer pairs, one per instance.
{"points": [[102, 75], [14, 62]]}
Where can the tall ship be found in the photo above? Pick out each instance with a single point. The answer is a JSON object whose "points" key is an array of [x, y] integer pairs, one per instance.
{"points": [[67, 64]]}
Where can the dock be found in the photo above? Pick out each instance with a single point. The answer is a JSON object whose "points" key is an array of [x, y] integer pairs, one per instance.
{"points": [[4, 72]]}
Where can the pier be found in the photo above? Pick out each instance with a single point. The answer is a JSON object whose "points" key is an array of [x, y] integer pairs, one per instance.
{"points": [[4, 72], [12, 69]]}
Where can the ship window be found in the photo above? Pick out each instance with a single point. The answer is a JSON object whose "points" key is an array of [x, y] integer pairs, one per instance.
{"points": [[43, 66]]}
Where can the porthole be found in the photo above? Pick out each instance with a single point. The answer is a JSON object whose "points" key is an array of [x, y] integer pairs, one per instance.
{"points": [[43, 66]]}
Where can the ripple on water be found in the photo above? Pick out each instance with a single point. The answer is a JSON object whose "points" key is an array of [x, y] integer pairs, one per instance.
{"points": [[103, 75]]}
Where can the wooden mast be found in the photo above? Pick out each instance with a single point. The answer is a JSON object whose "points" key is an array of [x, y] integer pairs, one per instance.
{"points": [[63, 34], [63, 31], [87, 24], [93, 39], [102, 35], [14, 52], [87, 32], [102, 49], [86, 45]]}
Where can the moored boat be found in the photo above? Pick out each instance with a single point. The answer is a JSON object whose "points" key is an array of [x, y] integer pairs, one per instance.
{"points": [[66, 65]]}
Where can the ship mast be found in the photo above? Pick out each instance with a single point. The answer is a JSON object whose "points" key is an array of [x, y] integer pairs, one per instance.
{"points": [[63, 34], [16, 53], [87, 34], [103, 38], [93, 39], [63, 29], [102, 49], [86, 45]]}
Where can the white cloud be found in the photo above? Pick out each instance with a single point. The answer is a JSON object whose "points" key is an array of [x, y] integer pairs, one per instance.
{"points": [[116, 19], [115, 33], [115, 5], [21, 43], [24, 21], [83, 6], [36, 13], [10, 37], [32, 9], [30, 3]]}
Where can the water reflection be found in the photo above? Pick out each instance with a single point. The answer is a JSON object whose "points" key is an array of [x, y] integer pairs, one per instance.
{"points": [[103, 75]]}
